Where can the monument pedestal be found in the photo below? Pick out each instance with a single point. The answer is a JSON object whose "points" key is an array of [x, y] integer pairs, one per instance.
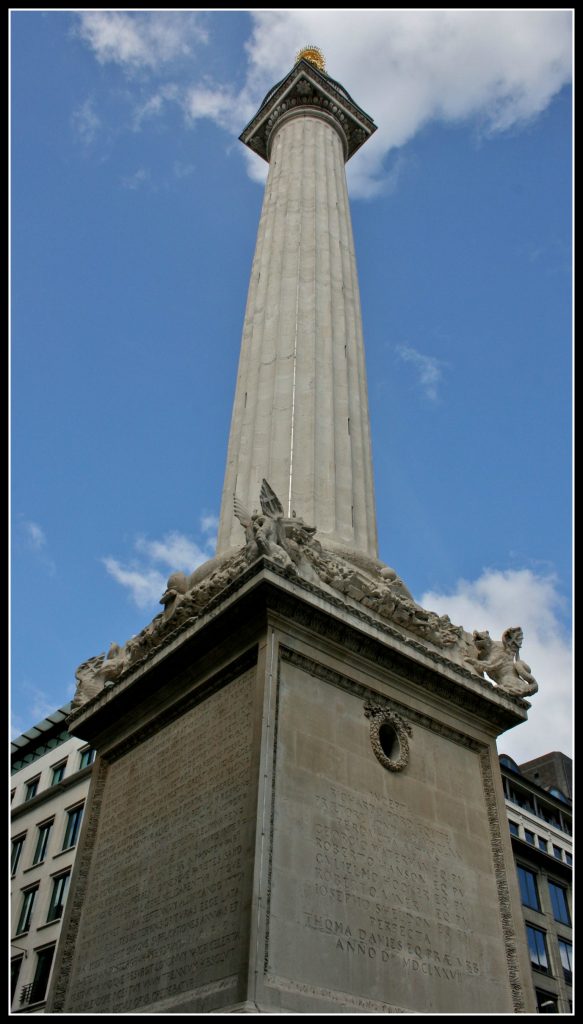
{"points": [[295, 807]]}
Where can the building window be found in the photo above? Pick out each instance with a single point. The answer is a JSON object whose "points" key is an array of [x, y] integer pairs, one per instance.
{"points": [[15, 966], [58, 897], [529, 836], [514, 830], [31, 788], [73, 825], [36, 992], [537, 947], [508, 762], [12, 792], [42, 842], [566, 951], [58, 773], [557, 852], [551, 818], [87, 758], [520, 798], [559, 903], [568, 857], [17, 845], [543, 845], [528, 888], [28, 899], [546, 1002]]}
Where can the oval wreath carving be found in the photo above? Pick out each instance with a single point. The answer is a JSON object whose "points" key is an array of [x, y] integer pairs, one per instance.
{"points": [[389, 734]]}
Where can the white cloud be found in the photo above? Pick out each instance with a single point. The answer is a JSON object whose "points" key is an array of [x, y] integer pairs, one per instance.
{"points": [[86, 122], [498, 599], [204, 100], [183, 170], [137, 179], [257, 168], [176, 552], [428, 369], [154, 106], [35, 535], [39, 704], [145, 40], [146, 586], [17, 725], [35, 540], [209, 523], [215, 103], [497, 68], [407, 67]]}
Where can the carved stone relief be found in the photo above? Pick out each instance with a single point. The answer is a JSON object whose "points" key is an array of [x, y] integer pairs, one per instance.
{"points": [[292, 546], [389, 734], [309, 90], [501, 662]]}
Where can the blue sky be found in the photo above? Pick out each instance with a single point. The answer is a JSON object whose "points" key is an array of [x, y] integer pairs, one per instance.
{"points": [[134, 211]]}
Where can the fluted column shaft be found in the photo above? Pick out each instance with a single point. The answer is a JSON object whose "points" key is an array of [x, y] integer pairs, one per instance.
{"points": [[300, 416]]}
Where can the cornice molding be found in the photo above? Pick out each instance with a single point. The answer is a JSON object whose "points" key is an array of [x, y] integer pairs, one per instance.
{"points": [[366, 693], [50, 792], [333, 617], [308, 91]]}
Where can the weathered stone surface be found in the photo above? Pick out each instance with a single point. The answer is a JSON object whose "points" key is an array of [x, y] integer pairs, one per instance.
{"points": [[169, 884], [381, 887], [291, 545], [501, 662], [296, 806], [300, 413], [256, 840]]}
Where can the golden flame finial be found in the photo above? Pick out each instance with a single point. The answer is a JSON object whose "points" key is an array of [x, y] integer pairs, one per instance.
{"points": [[314, 55]]}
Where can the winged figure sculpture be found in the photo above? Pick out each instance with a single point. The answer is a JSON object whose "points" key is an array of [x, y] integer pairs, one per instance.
{"points": [[264, 531]]}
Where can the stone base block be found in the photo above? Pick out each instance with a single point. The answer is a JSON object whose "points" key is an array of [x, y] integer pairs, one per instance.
{"points": [[294, 809]]}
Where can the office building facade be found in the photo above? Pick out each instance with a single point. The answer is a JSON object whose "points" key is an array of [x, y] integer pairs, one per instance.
{"points": [[50, 778], [540, 822]]}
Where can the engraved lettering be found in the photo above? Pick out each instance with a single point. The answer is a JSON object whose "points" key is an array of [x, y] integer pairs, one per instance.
{"points": [[171, 861]]}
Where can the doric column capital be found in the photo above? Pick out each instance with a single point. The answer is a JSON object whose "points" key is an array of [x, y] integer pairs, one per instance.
{"points": [[301, 111], [307, 89]]}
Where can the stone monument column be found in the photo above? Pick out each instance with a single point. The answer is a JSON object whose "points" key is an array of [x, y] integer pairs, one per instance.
{"points": [[296, 804], [300, 415]]}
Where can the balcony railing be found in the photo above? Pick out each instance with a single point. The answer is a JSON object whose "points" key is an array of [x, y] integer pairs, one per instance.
{"points": [[532, 806], [32, 993]]}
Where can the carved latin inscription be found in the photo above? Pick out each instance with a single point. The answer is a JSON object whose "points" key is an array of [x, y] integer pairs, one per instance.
{"points": [[382, 882], [169, 873], [391, 886]]}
